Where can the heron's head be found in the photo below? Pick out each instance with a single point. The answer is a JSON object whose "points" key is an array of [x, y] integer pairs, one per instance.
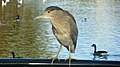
{"points": [[50, 12]]}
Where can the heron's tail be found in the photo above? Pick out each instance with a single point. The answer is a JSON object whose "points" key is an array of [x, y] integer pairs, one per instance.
{"points": [[72, 49]]}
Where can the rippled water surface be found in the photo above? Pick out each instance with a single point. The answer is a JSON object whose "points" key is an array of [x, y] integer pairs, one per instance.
{"points": [[98, 22]]}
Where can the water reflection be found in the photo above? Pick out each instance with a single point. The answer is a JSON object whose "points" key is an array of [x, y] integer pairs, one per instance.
{"points": [[34, 39], [100, 57], [22, 36]]}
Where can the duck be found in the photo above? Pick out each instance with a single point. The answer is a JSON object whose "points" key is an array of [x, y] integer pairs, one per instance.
{"points": [[13, 54], [1, 24], [99, 53]]}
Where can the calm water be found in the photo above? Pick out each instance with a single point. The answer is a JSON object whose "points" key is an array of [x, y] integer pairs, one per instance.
{"points": [[34, 39]]}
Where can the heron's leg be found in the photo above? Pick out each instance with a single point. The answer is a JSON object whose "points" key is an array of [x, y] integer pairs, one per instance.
{"points": [[70, 58], [56, 57]]}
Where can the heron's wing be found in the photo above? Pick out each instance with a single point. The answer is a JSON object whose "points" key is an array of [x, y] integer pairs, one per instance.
{"points": [[70, 15], [74, 36], [65, 30], [74, 30]]}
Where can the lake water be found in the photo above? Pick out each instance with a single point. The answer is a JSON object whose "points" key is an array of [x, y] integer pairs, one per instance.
{"points": [[97, 22]]}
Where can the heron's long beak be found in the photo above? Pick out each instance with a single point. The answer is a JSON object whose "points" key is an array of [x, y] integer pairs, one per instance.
{"points": [[42, 16], [38, 17]]}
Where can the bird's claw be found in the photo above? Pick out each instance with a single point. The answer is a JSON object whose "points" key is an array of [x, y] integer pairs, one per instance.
{"points": [[55, 59], [70, 59]]}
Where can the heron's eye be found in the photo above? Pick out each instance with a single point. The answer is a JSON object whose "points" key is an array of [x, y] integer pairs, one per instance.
{"points": [[50, 11]]}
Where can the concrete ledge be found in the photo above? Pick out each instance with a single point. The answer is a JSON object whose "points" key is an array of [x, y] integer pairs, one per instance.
{"points": [[47, 62]]}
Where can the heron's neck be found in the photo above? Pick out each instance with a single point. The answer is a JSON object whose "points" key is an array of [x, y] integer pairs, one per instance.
{"points": [[94, 49]]}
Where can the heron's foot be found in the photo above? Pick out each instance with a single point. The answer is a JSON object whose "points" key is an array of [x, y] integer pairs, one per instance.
{"points": [[56, 58], [70, 59]]}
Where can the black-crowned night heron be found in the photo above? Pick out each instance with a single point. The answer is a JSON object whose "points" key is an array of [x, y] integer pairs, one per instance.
{"points": [[63, 26], [99, 53]]}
